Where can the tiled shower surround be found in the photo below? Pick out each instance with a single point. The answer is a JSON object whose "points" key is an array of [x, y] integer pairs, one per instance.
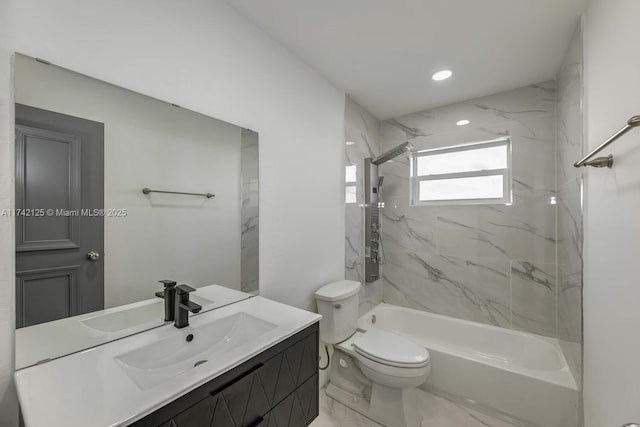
{"points": [[362, 135], [494, 264], [570, 234], [249, 257]]}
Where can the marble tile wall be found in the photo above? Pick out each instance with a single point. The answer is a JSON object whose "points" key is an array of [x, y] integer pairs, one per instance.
{"points": [[362, 139], [493, 264], [570, 230], [249, 240]]}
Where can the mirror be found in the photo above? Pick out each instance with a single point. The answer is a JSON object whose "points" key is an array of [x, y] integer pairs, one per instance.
{"points": [[114, 192]]}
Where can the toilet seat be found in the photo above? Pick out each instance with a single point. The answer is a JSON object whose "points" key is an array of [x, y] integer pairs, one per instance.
{"points": [[389, 349]]}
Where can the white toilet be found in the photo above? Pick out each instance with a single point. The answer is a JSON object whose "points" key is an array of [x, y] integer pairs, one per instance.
{"points": [[370, 370]]}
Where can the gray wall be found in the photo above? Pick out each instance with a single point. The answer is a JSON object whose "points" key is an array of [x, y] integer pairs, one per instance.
{"points": [[493, 264]]}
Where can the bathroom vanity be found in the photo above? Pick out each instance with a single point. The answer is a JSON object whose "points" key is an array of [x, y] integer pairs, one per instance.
{"points": [[278, 387], [247, 364]]}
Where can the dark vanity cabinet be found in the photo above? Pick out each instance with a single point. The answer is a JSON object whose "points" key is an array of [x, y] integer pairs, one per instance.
{"points": [[278, 387]]}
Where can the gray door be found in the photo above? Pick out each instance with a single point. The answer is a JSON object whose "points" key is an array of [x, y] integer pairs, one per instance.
{"points": [[59, 195]]}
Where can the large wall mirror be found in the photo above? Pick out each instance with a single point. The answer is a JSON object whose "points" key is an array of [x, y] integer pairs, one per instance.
{"points": [[91, 245]]}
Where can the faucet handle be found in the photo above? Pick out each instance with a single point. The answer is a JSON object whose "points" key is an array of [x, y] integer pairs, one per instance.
{"points": [[168, 283], [184, 289]]}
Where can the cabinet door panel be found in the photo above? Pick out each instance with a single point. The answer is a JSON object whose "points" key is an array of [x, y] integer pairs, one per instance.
{"points": [[246, 400], [198, 415], [298, 409], [222, 415]]}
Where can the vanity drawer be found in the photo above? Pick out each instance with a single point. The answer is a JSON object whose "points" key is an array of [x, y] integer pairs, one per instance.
{"points": [[300, 408], [281, 377]]}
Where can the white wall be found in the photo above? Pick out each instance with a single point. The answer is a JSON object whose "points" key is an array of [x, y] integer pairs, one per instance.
{"points": [[612, 212], [205, 57]]}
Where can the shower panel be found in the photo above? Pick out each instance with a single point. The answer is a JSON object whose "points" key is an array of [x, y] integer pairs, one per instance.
{"points": [[372, 235], [371, 222]]}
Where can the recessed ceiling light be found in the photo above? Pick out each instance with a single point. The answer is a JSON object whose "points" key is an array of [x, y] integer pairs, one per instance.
{"points": [[442, 75], [463, 122], [349, 142]]}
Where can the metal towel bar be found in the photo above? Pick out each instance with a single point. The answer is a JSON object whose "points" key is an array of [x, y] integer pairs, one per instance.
{"points": [[601, 162], [148, 190]]}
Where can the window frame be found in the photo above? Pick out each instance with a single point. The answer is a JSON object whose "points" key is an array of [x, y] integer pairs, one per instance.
{"points": [[414, 181], [353, 184]]}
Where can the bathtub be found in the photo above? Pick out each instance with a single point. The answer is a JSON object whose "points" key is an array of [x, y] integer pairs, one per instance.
{"points": [[521, 375]]}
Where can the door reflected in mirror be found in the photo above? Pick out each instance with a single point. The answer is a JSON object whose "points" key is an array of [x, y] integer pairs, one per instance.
{"points": [[87, 237]]}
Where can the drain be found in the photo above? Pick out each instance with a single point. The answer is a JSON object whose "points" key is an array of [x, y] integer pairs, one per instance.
{"points": [[199, 362]]}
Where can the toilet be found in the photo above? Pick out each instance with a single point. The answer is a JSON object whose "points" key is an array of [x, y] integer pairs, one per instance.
{"points": [[371, 371]]}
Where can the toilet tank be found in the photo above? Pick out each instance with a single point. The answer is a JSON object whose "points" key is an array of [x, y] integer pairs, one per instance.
{"points": [[338, 305]]}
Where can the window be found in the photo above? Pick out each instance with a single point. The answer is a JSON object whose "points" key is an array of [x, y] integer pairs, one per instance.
{"points": [[350, 184], [477, 173]]}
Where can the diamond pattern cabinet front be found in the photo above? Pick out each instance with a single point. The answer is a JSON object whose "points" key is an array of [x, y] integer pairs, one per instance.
{"points": [[278, 387]]}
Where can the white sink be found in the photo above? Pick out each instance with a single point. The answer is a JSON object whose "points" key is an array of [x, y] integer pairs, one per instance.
{"points": [[159, 361], [134, 317]]}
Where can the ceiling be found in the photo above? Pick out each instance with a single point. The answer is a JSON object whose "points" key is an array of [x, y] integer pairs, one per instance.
{"points": [[383, 52]]}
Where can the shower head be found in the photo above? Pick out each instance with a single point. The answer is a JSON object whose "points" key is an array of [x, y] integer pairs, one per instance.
{"points": [[396, 151]]}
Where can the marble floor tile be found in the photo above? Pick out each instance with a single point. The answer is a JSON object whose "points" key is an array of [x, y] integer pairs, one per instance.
{"points": [[435, 411], [335, 414]]}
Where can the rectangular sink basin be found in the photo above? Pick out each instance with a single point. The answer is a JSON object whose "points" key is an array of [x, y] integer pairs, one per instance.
{"points": [[162, 360], [134, 317]]}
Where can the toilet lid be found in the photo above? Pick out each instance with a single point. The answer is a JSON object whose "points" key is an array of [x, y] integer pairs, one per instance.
{"points": [[391, 349]]}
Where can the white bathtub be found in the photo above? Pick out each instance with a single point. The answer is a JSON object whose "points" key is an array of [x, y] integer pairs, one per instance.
{"points": [[519, 374]]}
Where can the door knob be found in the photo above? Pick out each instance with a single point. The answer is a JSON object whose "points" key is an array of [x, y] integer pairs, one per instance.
{"points": [[93, 256]]}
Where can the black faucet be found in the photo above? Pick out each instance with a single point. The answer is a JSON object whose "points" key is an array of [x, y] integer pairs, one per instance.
{"points": [[184, 306], [169, 296]]}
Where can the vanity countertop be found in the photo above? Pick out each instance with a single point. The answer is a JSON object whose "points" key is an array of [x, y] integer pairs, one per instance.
{"points": [[55, 339], [89, 388]]}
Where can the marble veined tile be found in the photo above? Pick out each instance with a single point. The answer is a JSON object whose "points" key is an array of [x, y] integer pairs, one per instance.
{"points": [[408, 228], [438, 411], [529, 225], [534, 152], [396, 178], [467, 288], [354, 243], [523, 230], [357, 117], [407, 127], [335, 414], [570, 228], [570, 120], [363, 146], [362, 128], [533, 297], [370, 296], [434, 411], [467, 231], [523, 103], [569, 307]]}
